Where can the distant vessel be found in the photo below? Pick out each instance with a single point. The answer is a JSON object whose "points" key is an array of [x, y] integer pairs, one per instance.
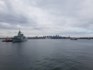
{"points": [[19, 38], [73, 39], [7, 40]]}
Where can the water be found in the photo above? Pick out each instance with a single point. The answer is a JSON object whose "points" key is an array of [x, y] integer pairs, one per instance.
{"points": [[47, 55]]}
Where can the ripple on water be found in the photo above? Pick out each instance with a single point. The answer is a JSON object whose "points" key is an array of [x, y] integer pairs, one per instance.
{"points": [[57, 68], [48, 63]]}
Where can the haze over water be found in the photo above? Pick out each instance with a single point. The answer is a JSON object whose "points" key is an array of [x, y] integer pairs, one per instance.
{"points": [[47, 55]]}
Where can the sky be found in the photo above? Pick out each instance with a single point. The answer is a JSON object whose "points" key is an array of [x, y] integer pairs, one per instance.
{"points": [[46, 17]]}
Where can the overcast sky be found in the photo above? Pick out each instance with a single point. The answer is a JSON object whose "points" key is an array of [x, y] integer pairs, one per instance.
{"points": [[46, 17]]}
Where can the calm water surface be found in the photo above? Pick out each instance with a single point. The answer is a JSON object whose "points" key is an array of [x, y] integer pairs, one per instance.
{"points": [[47, 55]]}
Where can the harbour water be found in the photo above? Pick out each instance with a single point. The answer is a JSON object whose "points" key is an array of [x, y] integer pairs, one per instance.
{"points": [[47, 54]]}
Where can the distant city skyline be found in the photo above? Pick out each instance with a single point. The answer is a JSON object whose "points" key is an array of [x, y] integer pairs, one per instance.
{"points": [[46, 17]]}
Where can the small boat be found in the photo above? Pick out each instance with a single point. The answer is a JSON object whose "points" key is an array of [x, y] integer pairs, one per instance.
{"points": [[7, 40]]}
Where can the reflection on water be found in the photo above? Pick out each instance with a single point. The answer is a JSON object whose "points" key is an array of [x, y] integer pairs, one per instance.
{"points": [[47, 55]]}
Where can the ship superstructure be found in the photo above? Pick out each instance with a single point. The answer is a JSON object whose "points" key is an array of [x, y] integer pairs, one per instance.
{"points": [[19, 38]]}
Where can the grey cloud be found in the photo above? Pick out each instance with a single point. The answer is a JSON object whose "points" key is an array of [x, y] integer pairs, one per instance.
{"points": [[13, 19], [10, 16], [56, 16]]}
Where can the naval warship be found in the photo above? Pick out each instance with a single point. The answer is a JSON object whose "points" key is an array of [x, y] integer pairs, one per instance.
{"points": [[19, 38]]}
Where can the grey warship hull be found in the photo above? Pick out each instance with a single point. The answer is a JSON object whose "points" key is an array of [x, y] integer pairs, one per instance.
{"points": [[19, 38]]}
